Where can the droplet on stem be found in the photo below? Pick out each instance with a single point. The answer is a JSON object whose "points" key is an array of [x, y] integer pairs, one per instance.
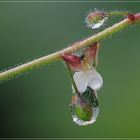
{"points": [[96, 19]]}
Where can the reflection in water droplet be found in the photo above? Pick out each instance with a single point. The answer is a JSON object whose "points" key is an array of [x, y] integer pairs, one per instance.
{"points": [[78, 121], [95, 25], [85, 108], [98, 24], [96, 19]]}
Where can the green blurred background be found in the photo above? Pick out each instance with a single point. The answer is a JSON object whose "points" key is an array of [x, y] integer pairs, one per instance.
{"points": [[37, 104]]}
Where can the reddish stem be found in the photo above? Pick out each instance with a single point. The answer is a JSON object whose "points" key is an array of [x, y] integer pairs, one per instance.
{"points": [[133, 17], [137, 16]]}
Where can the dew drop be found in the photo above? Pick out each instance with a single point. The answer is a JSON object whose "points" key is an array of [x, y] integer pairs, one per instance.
{"points": [[97, 24], [85, 108]]}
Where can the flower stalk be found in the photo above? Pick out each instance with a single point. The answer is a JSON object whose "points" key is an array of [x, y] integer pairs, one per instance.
{"points": [[117, 13], [71, 78], [73, 48]]}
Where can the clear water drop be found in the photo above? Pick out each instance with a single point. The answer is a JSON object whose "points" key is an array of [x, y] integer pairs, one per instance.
{"points": [[78, 121], [97, 24], [95, 19], [85, 108]]}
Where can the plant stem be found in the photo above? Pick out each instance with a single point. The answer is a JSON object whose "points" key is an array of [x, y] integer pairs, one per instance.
{"points": [[74, 47], [71, 78], [117, 13]]}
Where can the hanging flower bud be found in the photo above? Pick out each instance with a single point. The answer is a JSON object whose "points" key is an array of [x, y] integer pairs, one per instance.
{"points": [[95, 19], [85, 108]]}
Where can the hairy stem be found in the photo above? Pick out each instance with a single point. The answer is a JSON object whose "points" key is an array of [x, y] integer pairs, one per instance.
{"points": [[74, 47], [117, 13]]}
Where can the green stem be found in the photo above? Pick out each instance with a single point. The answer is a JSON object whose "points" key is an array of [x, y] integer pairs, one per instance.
{"points": [[75, 47], [71, 78], [118, 13]]}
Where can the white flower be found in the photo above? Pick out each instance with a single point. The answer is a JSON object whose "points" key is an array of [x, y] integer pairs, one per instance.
{"points": [[89, 78], [85, 75]]}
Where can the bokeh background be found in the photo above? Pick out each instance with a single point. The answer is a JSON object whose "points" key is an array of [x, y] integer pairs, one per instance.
{"points": [[37, 103]]}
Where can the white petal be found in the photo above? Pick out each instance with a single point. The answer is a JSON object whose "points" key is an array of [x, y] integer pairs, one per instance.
{"points": [[90, 78], [96, 81], [81, 80]]}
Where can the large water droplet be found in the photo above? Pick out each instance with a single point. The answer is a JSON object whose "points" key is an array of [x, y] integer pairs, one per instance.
{"points": [[85, 108]]}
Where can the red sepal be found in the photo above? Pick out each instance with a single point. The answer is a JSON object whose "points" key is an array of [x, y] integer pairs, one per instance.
{"points": [[73, 60]]}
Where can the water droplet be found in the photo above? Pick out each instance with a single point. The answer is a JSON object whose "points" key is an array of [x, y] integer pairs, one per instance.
{"points": [[97, 24], [85, 108], [96, 19]]}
